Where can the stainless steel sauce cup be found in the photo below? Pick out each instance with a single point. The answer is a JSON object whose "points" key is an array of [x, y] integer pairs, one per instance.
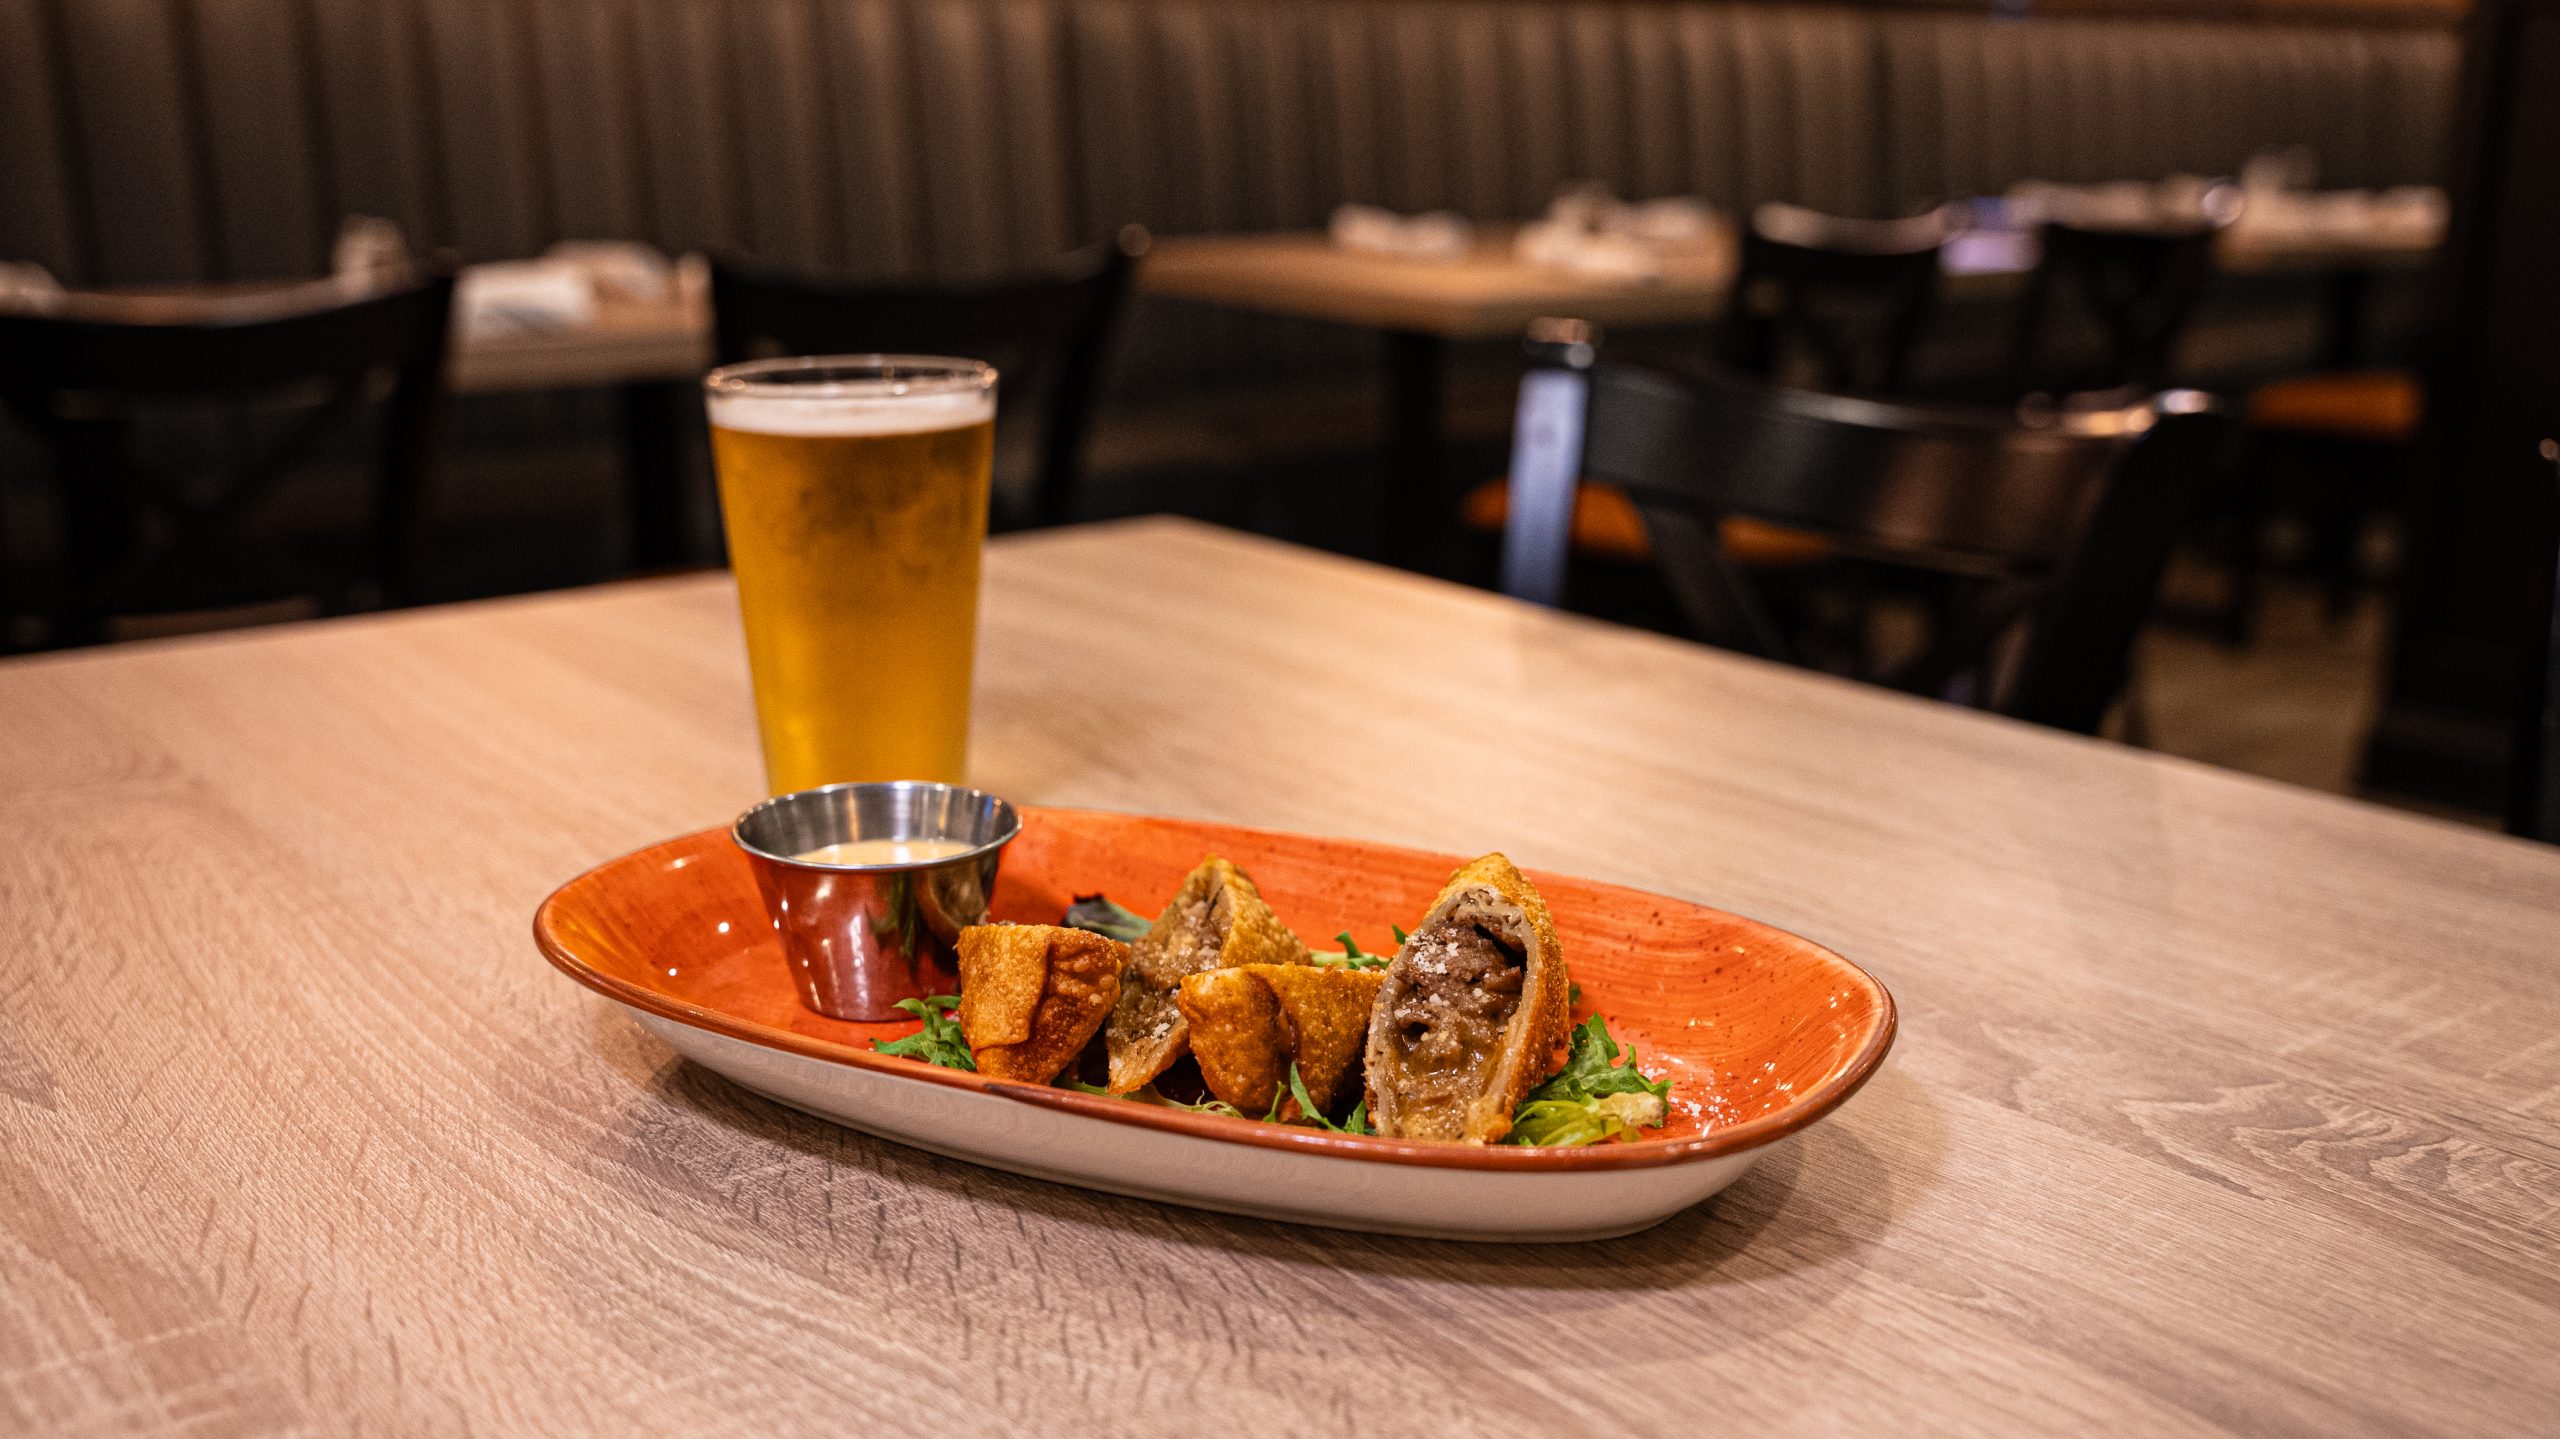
{"points": [[861, 937]]}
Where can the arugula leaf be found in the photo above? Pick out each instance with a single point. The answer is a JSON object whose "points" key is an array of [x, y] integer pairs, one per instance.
{"points": [[1593, 1098], [1591, 1069], [1352, 958], [1358, 1123], [1398, 931], [1097, 913], [940, 1042], [1307, 1105], [1148, 1095]]}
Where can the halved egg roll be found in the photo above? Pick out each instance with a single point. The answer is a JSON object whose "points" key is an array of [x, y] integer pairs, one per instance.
{"points": [[1216, 920], [1251, 1022], [1472, 1013], [1032, 995]]}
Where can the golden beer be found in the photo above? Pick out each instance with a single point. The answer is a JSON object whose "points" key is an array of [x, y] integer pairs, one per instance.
{"points": [[855, 495]]}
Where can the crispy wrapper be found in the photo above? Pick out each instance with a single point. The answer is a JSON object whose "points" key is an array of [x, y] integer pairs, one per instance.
{"points": [[1217, 920], [1032, 995], [1432, 1072], [1250, 1023]]}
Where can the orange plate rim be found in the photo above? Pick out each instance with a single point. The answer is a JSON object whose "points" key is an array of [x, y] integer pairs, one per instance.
{"points": [[1808, 1107]]}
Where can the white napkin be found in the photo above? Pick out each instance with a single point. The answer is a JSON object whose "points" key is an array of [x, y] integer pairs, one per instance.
{"points": [[1592, 253], [1440, 236], [370, 255], [2412, 215], [619, 269], [29, 289], [1587, 231], [523, 297], [1671, 221]]}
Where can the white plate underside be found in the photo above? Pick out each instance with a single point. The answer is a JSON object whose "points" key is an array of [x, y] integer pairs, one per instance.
{"points": [[1249, 1179]]}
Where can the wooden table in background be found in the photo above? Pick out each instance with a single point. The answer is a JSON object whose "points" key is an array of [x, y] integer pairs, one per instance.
{"points": [[1418, 307], [652, 355], [2218, 1107], [1490, 295]]}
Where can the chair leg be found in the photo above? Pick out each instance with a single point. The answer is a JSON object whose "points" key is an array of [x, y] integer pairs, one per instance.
{"points": [[2245, 547], [2137, 710], [2341, 500]]}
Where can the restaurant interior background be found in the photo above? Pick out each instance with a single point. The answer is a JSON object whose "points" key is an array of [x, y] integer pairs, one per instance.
{"points": [[2360, 590]]}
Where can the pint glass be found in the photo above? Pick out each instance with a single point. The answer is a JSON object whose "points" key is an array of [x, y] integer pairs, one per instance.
{"points": [[854, 489]]}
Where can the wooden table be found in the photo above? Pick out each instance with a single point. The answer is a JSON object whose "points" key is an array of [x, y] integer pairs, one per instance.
{"points": [[1489, 295], [1418, 307], [2219, 1106], [652, 354]]}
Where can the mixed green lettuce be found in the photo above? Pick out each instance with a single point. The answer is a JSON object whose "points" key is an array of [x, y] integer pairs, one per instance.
{"points": [[1599, 1095], [939, 1042], [1352, 957], [1097, 913], [1356, 1123], [1149, 1095]]}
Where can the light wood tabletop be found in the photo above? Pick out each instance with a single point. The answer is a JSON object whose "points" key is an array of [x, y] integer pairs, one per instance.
{"points": [[628, 342], [1489, 295], [2218, 1106], [1492, 295]]}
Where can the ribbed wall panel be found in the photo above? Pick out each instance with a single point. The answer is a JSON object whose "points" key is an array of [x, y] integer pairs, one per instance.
{"points": [[966, 137], [43, 221], [131, 110]]}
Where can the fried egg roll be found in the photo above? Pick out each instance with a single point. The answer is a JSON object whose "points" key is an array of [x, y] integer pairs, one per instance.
{"points": [[1472, 1013], [1216, 921], [1032, 995], [1251, 1022]]}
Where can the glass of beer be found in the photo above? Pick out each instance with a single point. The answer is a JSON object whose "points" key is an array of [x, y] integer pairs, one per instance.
{"points": [[855, 490]]}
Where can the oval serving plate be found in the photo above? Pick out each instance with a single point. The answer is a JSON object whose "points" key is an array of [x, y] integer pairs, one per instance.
{"points": [[1760, 1032]]}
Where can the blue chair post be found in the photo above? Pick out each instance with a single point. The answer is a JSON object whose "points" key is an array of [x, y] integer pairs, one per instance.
{"points": [[1546, 459]]}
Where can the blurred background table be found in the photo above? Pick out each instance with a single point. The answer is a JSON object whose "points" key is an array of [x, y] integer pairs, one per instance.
{"points": [[653, 355], [629, 342], [1419, 306], [2219, 1106]]}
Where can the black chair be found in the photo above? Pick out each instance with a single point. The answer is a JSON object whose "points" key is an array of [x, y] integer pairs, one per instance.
{"points": [[2050, 527], [1833, 303], [265, 381], [1048, 334], [1819, 300], [2139, 286]]}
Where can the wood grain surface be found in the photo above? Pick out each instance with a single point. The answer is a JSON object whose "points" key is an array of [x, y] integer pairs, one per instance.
{"points": [[2218, 1107], [1488, 295], [1491, 296]]}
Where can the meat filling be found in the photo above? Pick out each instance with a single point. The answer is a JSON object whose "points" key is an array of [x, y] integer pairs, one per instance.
{"points": [[1460, 984], [1190, 944]]}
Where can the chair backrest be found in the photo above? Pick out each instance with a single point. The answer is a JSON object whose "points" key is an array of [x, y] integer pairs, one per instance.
{"points": [[87, 377], [2055, 525], [2139, 285], [1833, 303], [1047, 334]]}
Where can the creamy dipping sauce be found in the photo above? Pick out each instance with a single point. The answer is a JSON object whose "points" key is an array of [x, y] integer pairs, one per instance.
{"points": [[886, 851]]}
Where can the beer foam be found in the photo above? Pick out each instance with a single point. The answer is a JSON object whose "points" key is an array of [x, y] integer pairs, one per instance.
{"points": [[865, 411]]}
